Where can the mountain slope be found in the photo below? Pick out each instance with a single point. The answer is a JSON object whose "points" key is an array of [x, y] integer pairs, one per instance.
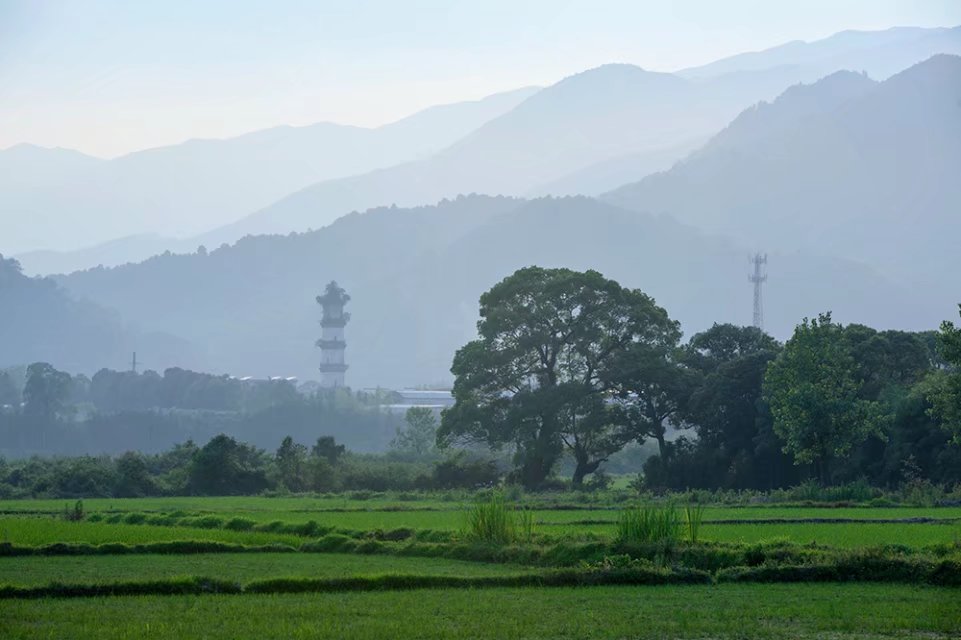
{"points": [[415, 275], [43, 322], [879, 53], [874, 178], [191, 187], [610, 112]]}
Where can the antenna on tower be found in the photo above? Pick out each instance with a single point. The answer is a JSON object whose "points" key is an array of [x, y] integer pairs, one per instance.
{"points": [[758, 278]]}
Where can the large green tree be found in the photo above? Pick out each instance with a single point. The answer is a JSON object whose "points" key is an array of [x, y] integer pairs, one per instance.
{"points": [[224, 467], [538, 376], [44, 397], [816, 398], [726, 409], [291, 461]]}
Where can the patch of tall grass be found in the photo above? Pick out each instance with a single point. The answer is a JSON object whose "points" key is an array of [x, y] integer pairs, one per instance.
{"points": [[694, 516], [494, 521], [648, 523]]}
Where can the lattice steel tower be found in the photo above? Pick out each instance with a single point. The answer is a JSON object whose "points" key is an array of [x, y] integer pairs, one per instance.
{"points": [[758, 278], [332, 343]]}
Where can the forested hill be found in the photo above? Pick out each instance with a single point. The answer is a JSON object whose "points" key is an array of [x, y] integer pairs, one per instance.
{"points": [[415, 276], [873, 177], [40, 321]]}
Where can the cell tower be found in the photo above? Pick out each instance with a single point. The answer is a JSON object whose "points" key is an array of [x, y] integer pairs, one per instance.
{"points": [[758, 278], [331, 343]]}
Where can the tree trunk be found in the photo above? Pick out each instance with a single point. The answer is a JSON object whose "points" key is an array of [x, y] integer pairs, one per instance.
{"points": [[584, 467], [661, 443]]}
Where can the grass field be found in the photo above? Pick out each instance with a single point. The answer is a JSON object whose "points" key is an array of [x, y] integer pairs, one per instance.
{"points": [[242, 567], [409, 604], [746, 524], [725, 611]]}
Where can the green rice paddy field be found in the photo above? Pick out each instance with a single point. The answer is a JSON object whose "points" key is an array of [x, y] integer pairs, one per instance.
{"points": [[725, 611], [722, 610]]}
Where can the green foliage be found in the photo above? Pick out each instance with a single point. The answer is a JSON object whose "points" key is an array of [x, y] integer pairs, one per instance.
{"points": [[693, 518], [492, 520], [539, 373], [328, 449], [76, 514], [418, 438], [648, 524], [943, 388], [815, 396], [291, 461], [227, 467]]}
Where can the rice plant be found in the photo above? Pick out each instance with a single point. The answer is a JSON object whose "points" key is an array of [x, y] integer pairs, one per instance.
{"points": [[695, 515], [649, 523], [494, 521]]}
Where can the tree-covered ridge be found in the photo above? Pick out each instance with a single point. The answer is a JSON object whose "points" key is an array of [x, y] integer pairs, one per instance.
{"points": [[416, 274], [41, 321]]}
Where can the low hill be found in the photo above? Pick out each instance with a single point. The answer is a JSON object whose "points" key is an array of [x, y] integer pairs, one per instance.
{"points": [[40, 321], [415, 276]]}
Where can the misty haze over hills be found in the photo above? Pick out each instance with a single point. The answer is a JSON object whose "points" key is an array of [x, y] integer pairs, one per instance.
{"points": [[415, 276], [825, 176], [58, 199], [844, 166], [588, 134]]}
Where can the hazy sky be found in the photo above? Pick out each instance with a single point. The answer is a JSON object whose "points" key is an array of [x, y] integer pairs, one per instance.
{"points": [[108, 77]]}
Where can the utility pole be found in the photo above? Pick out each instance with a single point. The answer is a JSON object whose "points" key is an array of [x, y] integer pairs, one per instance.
{"points": [[133, 362], [758, 278]]}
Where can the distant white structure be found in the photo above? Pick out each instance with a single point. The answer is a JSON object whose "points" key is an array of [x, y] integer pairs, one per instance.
{"points": [[332, 343], [434, 399]]}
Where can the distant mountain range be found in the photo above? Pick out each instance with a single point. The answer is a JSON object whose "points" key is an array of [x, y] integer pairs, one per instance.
{"points": [[415, 276], [845, 166], [42, 322], [592, 117], [58, 199], [849, 182], [880, 54], [585, 135]]}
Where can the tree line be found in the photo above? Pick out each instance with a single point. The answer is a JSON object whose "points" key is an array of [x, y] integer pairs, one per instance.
{"points": [[573, 364], [47, 411]]}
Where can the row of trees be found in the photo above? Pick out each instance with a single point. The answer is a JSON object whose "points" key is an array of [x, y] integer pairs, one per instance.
{"points": [[227, 466], [52, 412], [573, 363], [110, 391]]}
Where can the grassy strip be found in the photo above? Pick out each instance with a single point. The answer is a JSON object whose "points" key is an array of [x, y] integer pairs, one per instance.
{"points": [[711, 557], [175, 547], [944, 573], [729, 611], [172, 587], [202, 585]]}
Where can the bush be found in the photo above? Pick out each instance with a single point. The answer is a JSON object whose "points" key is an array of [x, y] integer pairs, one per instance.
{"points": [[75, 514], [239, 524], [459, 472]]}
